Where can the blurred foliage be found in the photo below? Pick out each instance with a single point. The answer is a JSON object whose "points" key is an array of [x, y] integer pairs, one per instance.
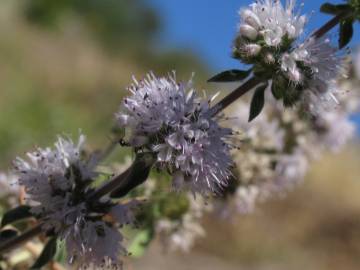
{"points": [[316, 227], [115, 23], [60, 81]]}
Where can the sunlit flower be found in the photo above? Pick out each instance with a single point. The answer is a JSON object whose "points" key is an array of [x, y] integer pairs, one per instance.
{"points": [[314, 64], [272, 21], [167, 118]]}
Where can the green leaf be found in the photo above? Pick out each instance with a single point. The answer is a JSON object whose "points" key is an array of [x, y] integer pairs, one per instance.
{"points": [[135, 175], [257, 102], [140, 243], [346, 33], [7, 234], [15, 214], [233, 75], [279, 86], [61, 255], [334, 9], [47, 254], [292, 96]]}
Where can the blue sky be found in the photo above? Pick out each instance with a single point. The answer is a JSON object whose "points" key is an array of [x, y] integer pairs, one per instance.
{"points": [[207, 27]]}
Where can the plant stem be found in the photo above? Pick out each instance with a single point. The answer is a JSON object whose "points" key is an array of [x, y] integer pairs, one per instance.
{"points": [[108, 150], [109, 186], [331, 24], [237, 93], [23, 238]]}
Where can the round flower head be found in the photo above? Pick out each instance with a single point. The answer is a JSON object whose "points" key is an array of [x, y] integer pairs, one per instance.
{"points": [[315, 66], [267, 26], [272, 21], [300, 73], [57, 184], [167, 118]]}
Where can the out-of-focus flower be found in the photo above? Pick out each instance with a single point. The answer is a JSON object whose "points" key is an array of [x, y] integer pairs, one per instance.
{"points": [[167, 118], [57, 184], [334, 129], [181, 234], [279, 145], [356, 63], [9, 189]]}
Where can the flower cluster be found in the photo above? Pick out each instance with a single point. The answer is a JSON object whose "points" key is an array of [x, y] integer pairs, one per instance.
{"points": [[271, 23], [279, 146], [57, 183], [300, 73], [167, 118], [182, 232]]}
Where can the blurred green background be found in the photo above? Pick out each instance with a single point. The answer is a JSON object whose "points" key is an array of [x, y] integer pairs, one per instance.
{"points": [[64, 66]]}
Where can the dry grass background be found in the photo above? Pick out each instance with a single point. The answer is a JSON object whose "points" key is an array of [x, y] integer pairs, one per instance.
{"points": [[315, 227]]}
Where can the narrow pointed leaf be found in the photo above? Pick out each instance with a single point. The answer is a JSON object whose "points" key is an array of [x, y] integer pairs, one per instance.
{"points": [[135, 175], [257, 102], [233, 75], [7, 234], [346, 33], [15, 214], [47, 254], [334, 9]]}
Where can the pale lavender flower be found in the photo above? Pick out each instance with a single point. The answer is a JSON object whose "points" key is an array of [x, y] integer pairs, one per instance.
{"points": [[321, 65], [57, 183], [49, 177], [334, 129], [289, 171], [181, 234], [272, 21], [167, 118], [246, 198]]}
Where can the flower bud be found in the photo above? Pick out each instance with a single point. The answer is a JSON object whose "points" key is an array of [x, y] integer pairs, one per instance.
{"points": [[248, 32], [269, 58], [250, 18], [295, 75], [252, 49]]}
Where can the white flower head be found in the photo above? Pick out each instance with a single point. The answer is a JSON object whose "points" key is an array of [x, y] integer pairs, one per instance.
{"points": [[314, 64], [272, 21], [57, 183], [167, 118]]}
